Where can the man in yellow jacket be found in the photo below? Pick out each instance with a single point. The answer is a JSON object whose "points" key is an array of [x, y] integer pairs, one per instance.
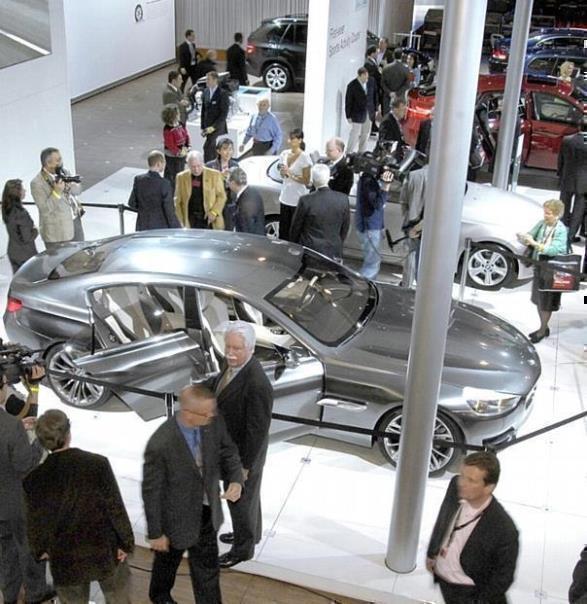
{"points": [[199, 195]]}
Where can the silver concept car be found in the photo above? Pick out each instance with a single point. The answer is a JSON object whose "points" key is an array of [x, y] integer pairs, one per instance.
{"points": [[148, 310], [490, 216]]}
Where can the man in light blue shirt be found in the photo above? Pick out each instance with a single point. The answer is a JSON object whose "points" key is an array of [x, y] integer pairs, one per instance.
{"points": [[265, 131]]}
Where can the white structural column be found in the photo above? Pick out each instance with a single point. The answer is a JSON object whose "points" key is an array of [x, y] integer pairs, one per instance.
{"points": [[337, 38], [511, 95], [395, 17], [460, 52]]}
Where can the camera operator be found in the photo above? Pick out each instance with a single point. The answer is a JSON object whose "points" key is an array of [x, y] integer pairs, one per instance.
{"points": [[18, 456], [19, 406], [54, 191]]}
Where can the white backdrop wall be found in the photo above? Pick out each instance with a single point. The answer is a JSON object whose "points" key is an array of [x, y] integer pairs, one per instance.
{"points": [[105, 44], [35, 111], [216, 21]]}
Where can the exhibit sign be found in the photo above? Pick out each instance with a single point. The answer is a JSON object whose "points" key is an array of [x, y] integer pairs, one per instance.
{"points": [[337, 38]]}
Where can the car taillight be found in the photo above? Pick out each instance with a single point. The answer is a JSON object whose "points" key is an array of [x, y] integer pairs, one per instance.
{"points": [[499, 54], [13, 305], [250, 48]]}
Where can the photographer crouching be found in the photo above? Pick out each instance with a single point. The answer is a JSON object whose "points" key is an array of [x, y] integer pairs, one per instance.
{"points": [[55, 192], [18, 456]]}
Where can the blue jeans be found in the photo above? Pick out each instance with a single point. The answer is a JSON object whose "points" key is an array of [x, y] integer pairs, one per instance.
{"points": [[370, 241]]}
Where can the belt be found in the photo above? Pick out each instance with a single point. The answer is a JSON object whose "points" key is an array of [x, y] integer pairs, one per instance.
{"points": [[262, 142]]}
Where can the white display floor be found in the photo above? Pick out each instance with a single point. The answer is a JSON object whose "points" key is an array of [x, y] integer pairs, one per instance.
{"points": [[327, 505]]}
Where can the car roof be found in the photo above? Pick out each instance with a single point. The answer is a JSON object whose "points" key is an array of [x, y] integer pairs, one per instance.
{"points": [[297, 17], [216, 257], [531, 83], [560, 31]]}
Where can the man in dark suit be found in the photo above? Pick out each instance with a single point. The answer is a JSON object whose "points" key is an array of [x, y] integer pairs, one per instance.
{"points": [[215, 105], [390, 129], [572, 171], [395, 80], [341, 175], [245, 400], [188, 58], [372, 66], [474, 544], [249, 215], [172, 94], [152, 197], [185, 459], [76, 517], [322, 219], [236, 61], [18, 565], [359, 105]]}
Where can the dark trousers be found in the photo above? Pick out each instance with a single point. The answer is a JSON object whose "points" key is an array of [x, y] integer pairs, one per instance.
{"points": [[456, 594], [192, 74], [17, 565], [210, 144], [247, 519], [286, 214], [203, 563], [116, 589], [173, 166], [261, 147], [574, 212]]}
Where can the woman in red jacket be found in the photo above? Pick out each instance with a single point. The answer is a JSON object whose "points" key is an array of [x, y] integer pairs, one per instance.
{"points": [[176, 140]]}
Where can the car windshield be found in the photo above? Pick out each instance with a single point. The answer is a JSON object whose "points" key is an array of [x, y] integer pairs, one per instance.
{"points": [[88, 260], [329, 301]]}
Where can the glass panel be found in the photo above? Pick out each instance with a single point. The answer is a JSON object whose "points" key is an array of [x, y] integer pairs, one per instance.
{"points": [[554, 109], [88, 260]]}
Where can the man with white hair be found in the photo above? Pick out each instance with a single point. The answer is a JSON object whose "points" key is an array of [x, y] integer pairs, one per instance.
{"points": [[322, 218], [265, 131], [341, 175], [245, 400], [199, 195], [249, 215]]}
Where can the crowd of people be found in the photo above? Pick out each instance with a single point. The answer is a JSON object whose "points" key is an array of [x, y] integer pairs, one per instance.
{"points": [[68, 512]]}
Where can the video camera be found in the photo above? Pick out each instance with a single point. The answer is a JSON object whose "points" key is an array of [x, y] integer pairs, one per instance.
{"points": [[60, 175], [16, 361], [386, 158]]}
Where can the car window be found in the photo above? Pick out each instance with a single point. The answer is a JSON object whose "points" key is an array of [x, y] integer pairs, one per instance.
{"points": [[562, 42], [288, 36], [551, 108], [270, 32], [302, 33], [326, 299], [136, 312], [88, 260], [543, 65]]}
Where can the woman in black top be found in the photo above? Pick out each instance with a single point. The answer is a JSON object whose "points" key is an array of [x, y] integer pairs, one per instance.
{"points": [[21, 229]]}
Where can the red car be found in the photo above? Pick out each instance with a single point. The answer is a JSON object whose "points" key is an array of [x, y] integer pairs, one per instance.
{"points": [[550, 110]]}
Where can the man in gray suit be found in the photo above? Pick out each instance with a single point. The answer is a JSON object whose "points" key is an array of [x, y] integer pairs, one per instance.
{"points": [[17, 458], [395, 81], [172, 94], [60, 212], [185, 460]]}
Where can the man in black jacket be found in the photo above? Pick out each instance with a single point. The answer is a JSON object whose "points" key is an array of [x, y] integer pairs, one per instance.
{"points": [[249, 215], [341, 175], [76, 517], [185, 460], [152, 197], [236, 61], [572, 171], [360, 105], [215, 105], [474, 544], [372, 66], [188, 59], [322, 218], [245, 401], [390, 129]]}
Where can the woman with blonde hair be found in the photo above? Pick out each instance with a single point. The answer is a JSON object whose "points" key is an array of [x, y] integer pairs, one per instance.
{"points": [[548, 238], [566, 71]]}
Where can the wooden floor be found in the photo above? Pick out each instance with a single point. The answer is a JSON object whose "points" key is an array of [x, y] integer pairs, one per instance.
{"points": [[237, 588]]}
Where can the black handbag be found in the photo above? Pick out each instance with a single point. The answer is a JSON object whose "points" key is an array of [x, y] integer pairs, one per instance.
{"points": [[559, 273]]}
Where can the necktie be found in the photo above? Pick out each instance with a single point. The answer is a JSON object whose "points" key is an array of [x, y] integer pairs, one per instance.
{"points": [[225, 380], [195, 441]]}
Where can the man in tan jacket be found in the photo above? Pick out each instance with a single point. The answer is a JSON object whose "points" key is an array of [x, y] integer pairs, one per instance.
{"points": [[199, 195]]}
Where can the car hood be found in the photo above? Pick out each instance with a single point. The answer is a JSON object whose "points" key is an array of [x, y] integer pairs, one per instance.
{"points": [[482, 351]]}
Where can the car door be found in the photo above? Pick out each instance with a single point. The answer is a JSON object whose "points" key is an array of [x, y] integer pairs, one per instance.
{"points": [[287, 49], [551, 119], [301, 41], [146, 340], [296, 374]]}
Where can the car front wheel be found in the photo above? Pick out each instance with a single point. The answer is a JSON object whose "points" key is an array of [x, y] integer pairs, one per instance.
{"points": [[73, 392], [489, 268], [442, 457], [277, 77]]}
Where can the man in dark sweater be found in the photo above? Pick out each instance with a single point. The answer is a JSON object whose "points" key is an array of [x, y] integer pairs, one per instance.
{"points": [[76, 517], [236, 61]]}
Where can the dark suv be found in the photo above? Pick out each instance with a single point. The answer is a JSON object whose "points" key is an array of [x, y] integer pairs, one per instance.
{"points": [[276, 51]]}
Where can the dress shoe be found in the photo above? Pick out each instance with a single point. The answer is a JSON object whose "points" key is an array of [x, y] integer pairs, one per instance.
{"points": [[227, 538], [229, 559], [536, 336], [47, 597]]}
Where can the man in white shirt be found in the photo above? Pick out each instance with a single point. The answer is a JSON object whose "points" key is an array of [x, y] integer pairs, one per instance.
{"points": [[474, 544]]}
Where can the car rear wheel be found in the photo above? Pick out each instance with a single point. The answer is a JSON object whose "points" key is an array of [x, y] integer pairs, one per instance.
{"points": [[442, 457], [272, 226], [489, 268], [277, 77], [82, 395]]}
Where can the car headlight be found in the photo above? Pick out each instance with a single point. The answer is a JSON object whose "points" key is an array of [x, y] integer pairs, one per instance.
{"points": [[489, 402]]}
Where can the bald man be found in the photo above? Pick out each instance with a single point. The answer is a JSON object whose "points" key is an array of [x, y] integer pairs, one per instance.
{"points": [[185, 460]]}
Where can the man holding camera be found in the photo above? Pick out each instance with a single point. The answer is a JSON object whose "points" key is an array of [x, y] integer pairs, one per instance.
{"points": [[17, 458], [54, 191]]}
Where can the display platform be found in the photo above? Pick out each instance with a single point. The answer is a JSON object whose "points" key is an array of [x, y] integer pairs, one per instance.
{"points": [[326, 505]]}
